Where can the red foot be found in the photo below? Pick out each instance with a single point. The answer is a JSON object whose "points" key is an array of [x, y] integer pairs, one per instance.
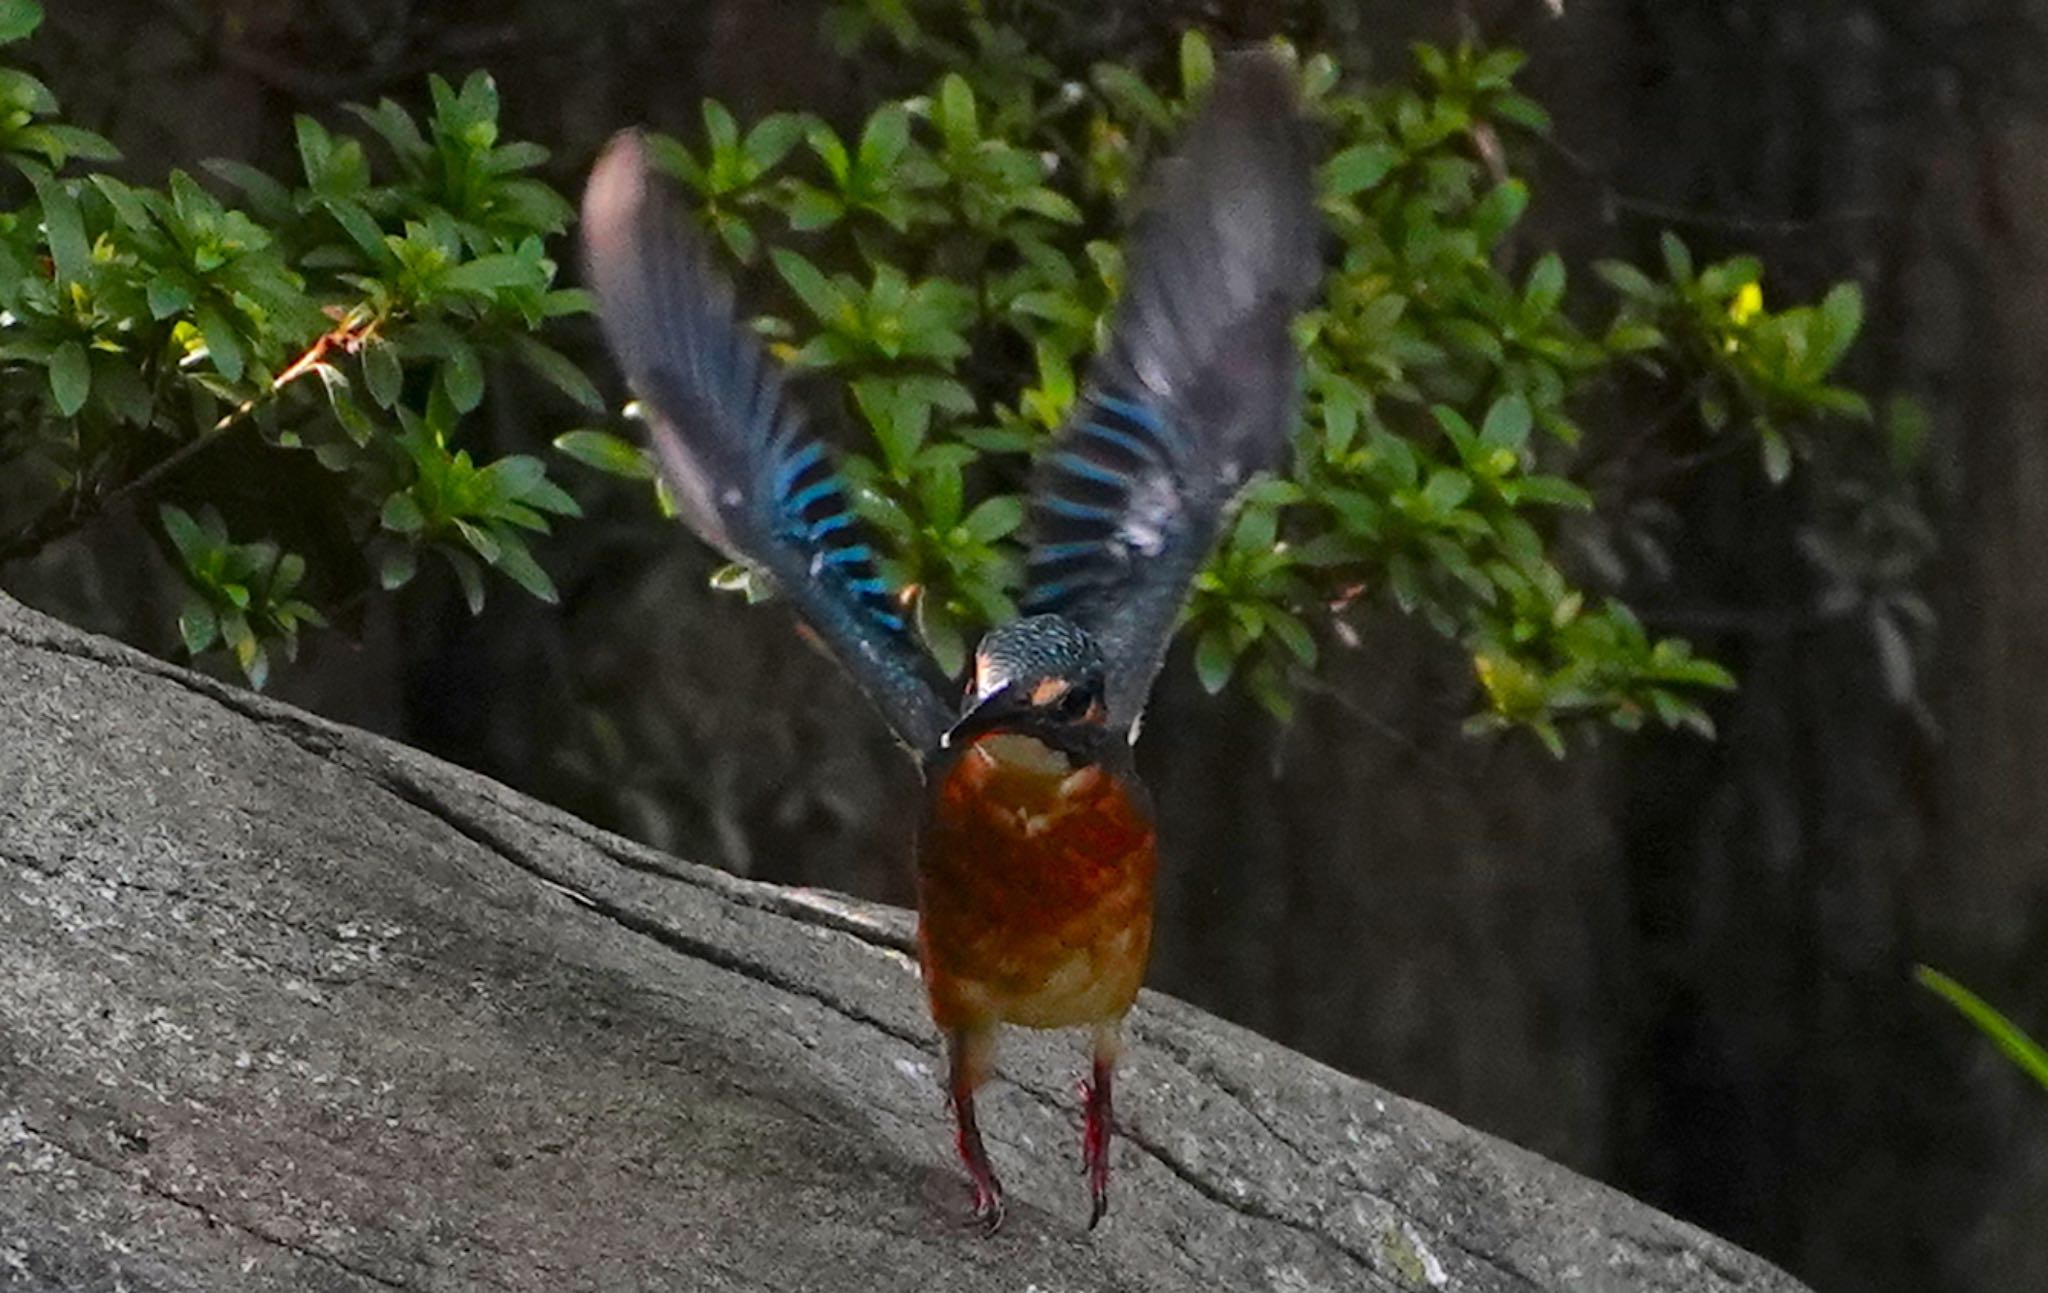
{"points": [[988, 1205], [988, 1191], [1095, 1140]]}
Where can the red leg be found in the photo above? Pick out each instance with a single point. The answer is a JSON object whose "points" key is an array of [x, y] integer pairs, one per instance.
{"points": [[969, 1052], [1099, 1121]]}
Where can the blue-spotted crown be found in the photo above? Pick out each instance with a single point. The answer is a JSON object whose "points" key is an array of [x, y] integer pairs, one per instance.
{"points": [[1031, 650]]}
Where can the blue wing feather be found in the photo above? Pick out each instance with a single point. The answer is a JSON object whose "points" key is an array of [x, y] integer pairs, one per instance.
{"points": [[1196, 388], [746, 475]]}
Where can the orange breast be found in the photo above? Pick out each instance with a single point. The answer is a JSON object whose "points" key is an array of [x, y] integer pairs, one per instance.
{"points": [[1034, 890]]}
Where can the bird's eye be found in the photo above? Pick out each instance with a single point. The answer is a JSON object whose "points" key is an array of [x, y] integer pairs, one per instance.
{"points": [[1076, 702]]}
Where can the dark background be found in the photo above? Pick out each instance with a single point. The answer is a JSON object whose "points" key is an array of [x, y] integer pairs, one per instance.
{"points": [[1684, 968]]}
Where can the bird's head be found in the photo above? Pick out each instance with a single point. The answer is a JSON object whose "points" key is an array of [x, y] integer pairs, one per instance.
{"points": [[1040, 676]]}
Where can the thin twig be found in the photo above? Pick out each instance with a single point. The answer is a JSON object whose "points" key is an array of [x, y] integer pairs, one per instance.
{"points": [[79, 510], [1381, 727], [1613, 199]]}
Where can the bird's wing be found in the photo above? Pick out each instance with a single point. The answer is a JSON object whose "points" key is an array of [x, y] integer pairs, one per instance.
{"points": [[746, 475], [1196, 389]]}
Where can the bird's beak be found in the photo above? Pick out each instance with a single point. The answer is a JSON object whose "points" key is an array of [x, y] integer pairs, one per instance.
{"points": [[988, 714]]}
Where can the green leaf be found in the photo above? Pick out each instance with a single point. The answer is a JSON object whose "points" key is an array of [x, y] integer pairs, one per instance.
{"points": [[1446, 489], [1628, 280], [1215, 658], [120, 388], [397, 568], [361, 229], [772, 138], [897, 417], [353, 420], [462, 376], [1727, 278], [1507, 424], [939, 487], [70, 378], [381, 372], [166, 297], [1677, 260], [487, 274], [831, 151], [316, 148], [1842, 312], [70, 252], [558, 370], [396, 127], [248, 652], [738, 236], [1197, 64], [1293, 634], [1462, 436], [197, 625], [402, 513], [606, 452], [481, 541], [19, 89], [566, 302], [1627, 338], [546, 496], [289, 572], [1690, 669], [517, 562], [223, 343], [954, 113], [940, 629], [810, 284], [814, 208], [1357, 168], [2006, 1035], [512, 477], [1545, 288], [995, 517], [1550, 489], [733, 578], [883, 140], [62, 144], [1498, 211], [18, 19], [190, 541], [1051, 204], [1127, 90], [1777, 454], [720, 128], [1522, 111], [468, 574]]}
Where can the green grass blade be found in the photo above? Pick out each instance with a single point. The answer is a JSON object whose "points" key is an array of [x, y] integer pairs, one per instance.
{"points": [[2022, 1049]]}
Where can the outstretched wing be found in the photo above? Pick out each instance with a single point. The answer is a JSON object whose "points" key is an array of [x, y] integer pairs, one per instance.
{"points": [[1196, 389], [745, 474]]}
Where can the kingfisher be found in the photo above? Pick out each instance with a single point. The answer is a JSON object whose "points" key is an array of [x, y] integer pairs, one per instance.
{"points": [[1038, 848]]}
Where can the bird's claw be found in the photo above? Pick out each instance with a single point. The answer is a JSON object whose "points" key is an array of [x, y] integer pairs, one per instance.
{"points": [[1095, 1132], [988, 1206]]}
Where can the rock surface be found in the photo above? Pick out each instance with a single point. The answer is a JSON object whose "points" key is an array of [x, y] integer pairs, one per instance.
{"points": [[285, 1006]]}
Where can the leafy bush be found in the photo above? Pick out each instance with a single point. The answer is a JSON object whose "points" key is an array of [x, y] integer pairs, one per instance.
{"points": [[969, 233], [351, 318], [950, 264]]}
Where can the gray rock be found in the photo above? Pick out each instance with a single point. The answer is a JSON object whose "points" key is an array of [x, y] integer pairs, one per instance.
{"points": [[287, 1006]]}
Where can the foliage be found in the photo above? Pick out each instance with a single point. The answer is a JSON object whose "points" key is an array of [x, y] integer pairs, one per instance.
{"points": [[351, 320], [969, 232], [950, 261], [2021, 1049]]}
